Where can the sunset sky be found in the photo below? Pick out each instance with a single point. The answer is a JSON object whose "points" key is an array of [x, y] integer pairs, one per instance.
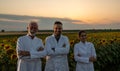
{"points": [[87, 11]]}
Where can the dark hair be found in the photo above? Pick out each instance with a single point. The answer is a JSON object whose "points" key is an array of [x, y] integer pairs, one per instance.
{"points": [[80, 32], [58, 22]]}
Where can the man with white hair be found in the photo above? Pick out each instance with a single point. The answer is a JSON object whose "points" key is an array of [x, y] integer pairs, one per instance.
{"points": [[28, 45]]}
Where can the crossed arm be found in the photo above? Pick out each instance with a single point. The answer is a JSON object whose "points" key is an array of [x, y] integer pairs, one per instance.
{"points": [[79, 58], [27, 53], [57, 50]]}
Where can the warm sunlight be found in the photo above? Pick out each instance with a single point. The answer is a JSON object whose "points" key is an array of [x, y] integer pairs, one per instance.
{"points": [[85, 11]]}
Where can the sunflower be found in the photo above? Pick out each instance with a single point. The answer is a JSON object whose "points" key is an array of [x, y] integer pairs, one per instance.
{"points": [[6, 47], [103, 42], [13, 56], [71, 42], [10, 51], [2, 45], [111, 41]]}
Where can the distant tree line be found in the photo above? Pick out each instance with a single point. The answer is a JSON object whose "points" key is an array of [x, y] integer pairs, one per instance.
{"points": [[88, 30], [2, 30]]}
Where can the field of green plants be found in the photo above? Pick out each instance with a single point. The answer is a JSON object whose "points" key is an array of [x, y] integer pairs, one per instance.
{"points": [[107, 46]]}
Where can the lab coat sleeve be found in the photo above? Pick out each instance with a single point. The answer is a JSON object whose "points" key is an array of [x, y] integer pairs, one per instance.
{"points": [[48, 47], [93, 52], [19, 47], [79, 58], [63, 50], [39, 54]]}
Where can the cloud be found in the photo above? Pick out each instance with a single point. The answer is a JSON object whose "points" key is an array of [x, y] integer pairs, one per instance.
{"points": [[20, 21], [72, 21], [16, 22]]}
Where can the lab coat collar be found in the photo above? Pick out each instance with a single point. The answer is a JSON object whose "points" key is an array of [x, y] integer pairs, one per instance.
{"points": [[30, 37], [83, 43]]}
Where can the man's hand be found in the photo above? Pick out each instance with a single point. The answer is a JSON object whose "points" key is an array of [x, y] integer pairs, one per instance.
{"points": [[53, 49], [79, 55], [92, 59], [24, 53], [40, 49], [64, 45]]}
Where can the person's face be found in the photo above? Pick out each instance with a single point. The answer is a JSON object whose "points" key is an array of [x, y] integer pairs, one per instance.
{"points": [[83, 37], [32, 28], [57, 29]]}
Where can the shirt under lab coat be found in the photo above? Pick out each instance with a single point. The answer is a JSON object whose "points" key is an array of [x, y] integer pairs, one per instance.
{"points": [[26, 63], [85, 50], [57, 60]]}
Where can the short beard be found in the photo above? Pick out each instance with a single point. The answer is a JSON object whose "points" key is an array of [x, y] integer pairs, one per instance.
{"points": [[32, 34]]}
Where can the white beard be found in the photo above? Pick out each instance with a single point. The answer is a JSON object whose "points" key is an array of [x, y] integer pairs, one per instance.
{"points": [[32, 34]]}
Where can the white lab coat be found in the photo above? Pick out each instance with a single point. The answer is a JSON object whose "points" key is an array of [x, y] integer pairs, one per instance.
{"points": [[27, 63], [85, 50], [57, 60]]}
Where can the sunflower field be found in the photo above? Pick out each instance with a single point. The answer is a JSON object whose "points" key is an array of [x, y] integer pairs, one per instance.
{"points": [[107, 45]]}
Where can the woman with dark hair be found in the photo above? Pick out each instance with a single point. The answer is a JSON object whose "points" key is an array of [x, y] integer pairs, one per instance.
{"points": [[84, 53]]}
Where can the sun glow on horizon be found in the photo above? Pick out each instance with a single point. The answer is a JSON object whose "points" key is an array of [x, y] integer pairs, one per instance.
{"points": [[89, 11]]}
